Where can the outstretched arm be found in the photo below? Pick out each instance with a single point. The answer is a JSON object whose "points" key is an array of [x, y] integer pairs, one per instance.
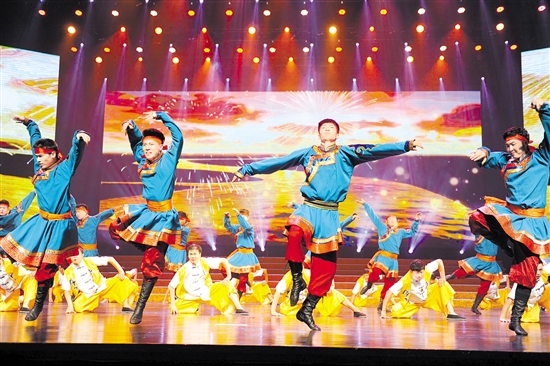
{"points": [[177, 136], [544, 114], [369, 152], [135, 137], [272, 165], [121, 275], [414, 227], [227, 224], [348, 220], [380, 225]]}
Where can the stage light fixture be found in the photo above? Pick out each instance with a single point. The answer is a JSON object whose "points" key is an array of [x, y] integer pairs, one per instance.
{"points": [[374, 49], [410, 59], [421, 11], [338, 49], [305, 49], [357, 44], [139, 49], [441, 58], [98, 60], [251, 29], [477, 47], [369, 58], [140, 59], [287, 30], [461, 10], [229, 12], [154, 13], [106, 49], [383, 11], [304, 12], [42, 12], [172, 49], [74, 49], [123, 29], [443, 48], [332, 29], [207, 59], [115, 13], [226, 79], [158, 30], [419, 28], [408, 48], [175, 60], [240, 50], [204, 30], [514, 47], [78, 13], [456, 43], [330, 60], [457, 26], [191, 13], [371, 28], [124, 44], [256, 60], [342, 12], [71, 29], [291, 59], [500, 26], [206, 50], [500, 9], [272, 49], [541, 8], [267, 13]]}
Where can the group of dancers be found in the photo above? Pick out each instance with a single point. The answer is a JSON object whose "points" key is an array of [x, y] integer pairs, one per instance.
{"points": [[49, 241]]}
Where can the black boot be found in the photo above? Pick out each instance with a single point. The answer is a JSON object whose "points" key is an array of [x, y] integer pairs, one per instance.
{"points": [[366, 288], [146, 289], [520, 302], [305, 314], [41, 296], [450, 277], [477, 301], [298, 283]]}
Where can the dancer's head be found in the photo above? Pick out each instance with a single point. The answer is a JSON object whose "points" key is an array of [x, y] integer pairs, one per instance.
{"points": [[517, 142], [81, 211], [417, 269], [46, 152], [194, 253], [328, 130], [152, 143], [4, 207], [391, 222]]}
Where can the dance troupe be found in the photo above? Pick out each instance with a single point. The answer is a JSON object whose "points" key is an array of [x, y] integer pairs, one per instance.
{"points": [[55, 251]]}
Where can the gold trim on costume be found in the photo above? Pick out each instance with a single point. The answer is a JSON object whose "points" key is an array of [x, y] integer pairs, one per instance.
{"points": [[385, 253], [331, 206], [317, 160], [55, 217], [161, 206], [527, 212], [486, 258], [88, 246]]}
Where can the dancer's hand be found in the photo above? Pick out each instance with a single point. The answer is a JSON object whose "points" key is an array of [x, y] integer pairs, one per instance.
{"points": [[128, 124], [174, 310], [227, 214], [84, 136], [416, 144], [418, 216], [360, 201], [236, 210], [274, 313], [537, 103], [479, 154], [19, 119]]}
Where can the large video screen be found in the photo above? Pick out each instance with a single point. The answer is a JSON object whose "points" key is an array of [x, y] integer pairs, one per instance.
{"points": [[29, 87], [224, 130], [535, 72]]}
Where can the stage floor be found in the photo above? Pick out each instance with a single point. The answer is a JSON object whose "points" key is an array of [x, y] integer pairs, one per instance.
{"points": [[211, 338]]}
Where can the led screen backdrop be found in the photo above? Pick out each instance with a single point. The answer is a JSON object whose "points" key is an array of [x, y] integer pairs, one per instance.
{"points": [[223, 130], [29, 87]]}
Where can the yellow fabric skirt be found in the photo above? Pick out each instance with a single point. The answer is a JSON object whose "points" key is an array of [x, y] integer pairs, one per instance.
{"points": [[261, 292], [438, 298], [373, 299], [331, 303], [116, 291]]}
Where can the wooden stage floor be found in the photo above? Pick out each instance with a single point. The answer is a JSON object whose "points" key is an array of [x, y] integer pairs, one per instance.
{"points": [[208, 338]]}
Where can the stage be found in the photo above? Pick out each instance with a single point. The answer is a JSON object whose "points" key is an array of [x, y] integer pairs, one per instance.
{"points": [[208, 338]]}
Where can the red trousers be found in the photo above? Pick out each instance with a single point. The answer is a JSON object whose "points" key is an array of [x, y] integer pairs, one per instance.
{"points": [[323, 266], [152, 264], [483, 286], [374, 276]]}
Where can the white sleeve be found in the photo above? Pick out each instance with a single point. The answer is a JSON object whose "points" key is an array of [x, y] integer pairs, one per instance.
{"points": [[281, 286], [175, 281], [64, 283], [512, 293], [396, 287], [100, 261], [356, 289], [431, 267], [213, 262]]}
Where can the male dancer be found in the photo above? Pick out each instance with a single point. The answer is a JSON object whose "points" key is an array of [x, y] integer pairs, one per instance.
{"points": [[87, 228], [519, 220], [10, 219], [151, 227], [384, 261], [48, 238], [328, 168]]}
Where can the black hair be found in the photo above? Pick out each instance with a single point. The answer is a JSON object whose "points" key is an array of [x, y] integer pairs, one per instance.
{"points": [[82, 205], [520, 131], [154, 133], [45, 143], [195, 247], [328, 120], [182, 215], [416, 265], [5, 202]]}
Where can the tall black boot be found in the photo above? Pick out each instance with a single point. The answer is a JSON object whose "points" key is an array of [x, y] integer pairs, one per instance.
{"points": [[520, 302], [477, 301], [366, 288], [298, 283], [305, 314], [41, 296], [450, 277], [146, 289]]}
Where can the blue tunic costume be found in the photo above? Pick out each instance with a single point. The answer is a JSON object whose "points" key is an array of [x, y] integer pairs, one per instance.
{"points": [[389, 243], [13, 219], [328, 176], [51, 235], [243, 259], [87, 232], [145, 225], [176, 255], [484, 264]]}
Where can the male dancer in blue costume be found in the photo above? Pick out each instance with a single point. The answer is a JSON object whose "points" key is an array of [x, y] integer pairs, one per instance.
{"points": [[48, 238], [153, 226], [87, 228], [316, 223], [10, 219], [484, 265], [384, 261], [242, 260], [518, 225]]}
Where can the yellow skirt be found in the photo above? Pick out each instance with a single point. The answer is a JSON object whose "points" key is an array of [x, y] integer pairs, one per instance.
{"points": [[438, 298], [487, 304], [29, 285], [219, 298], [331, 303], [117, 291], [10, 303], [261, 292], [286, 309], [373, 299]]}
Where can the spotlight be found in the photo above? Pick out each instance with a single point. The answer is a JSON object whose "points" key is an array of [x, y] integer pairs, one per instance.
{"points": [[440, 79], [71, 29], [115, 13], [204, 30], [290, 59], [191, 13], [461, 10], [251, 29], [374, 49], [332, 30], [158, 30], [304, 12], [42, 12], [227, 79], [123, 29], [408, 49], [172, 49], [311, 80], [256, 60], [342, 12], [513, 47], [354, 80], [443, 48], [500, 26], [457, 26], [154, 13], [456, 43], [338, 49], [441, 58], [541, 8], [106, 49], [383, 11], [305, 49], [357, 44], [229, 12], [371, 28], [74, 49], [369, 59], [175, 60], [330, 60], [421, 11], [410, 59], [139, 49], [207, 59], [140, 59], [272, 49], [206, 50], [240, 50], [287, 29], [267, 13], [98, 60], [483, 78], [124, 44], [500, 9], [419, 28], [78, 13]]}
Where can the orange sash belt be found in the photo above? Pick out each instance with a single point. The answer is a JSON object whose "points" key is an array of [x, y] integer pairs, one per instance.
{"points": [[527, 212], [88, 246], [386, 254], [55, 217], [242, 250], [160, 206], [486, 258]]}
